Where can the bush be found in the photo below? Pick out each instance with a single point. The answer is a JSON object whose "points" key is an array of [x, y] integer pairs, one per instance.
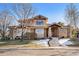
{"points": [[74, 34], [30, 35], [5, 38]]}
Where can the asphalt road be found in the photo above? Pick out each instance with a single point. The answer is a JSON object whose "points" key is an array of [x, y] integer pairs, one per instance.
{"points": [[53, 51]]}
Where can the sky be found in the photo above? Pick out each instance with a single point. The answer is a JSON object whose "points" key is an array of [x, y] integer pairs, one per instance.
{"points": [[55, 12]]}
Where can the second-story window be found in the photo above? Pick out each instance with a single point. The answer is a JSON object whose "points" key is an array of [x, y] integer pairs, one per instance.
{"points": [[39, 22]]}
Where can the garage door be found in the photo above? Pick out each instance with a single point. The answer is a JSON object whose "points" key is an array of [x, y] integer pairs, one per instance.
{"points": [[40, 33]]}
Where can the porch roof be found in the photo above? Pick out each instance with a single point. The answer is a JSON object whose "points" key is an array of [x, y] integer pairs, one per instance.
{"points": [[57, 25]]}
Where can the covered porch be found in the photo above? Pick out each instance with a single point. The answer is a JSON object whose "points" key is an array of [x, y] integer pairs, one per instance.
{"points": [[54, 30]]}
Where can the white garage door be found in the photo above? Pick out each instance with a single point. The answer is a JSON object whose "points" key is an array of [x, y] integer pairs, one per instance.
{"points": [[40, 33]]}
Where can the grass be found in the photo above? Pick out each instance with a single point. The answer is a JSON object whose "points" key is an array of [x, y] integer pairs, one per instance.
{"points": [[75, 43], [19, 43], [32, 45], [14, 42]]}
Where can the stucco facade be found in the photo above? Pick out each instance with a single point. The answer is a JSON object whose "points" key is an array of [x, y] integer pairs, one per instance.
{"points": [[37, 24]]}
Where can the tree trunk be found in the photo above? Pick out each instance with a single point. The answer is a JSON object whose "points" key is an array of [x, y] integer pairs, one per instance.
{"points": [[22, 34]]}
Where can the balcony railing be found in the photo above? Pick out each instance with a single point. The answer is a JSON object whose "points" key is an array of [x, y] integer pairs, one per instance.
{"points": [[44, 25]]}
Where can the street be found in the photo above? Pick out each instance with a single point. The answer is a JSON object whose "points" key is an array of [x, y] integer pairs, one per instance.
{"points": [[53, 51]]}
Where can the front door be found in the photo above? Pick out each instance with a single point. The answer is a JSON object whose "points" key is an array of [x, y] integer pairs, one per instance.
{"points": [[54, 32]]}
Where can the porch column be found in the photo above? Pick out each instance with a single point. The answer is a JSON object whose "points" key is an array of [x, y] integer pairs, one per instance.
{"points": [[49, 32], [45, 32]]}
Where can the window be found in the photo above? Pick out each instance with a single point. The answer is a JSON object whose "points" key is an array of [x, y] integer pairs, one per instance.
{"points": [[39, 22]]}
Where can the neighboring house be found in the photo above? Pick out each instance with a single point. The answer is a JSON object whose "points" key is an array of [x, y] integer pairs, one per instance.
{"points": [[0, 34]]}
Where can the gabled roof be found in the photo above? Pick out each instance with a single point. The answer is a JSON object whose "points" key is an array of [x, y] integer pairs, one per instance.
{"points": [[34, 18], [40, 17], [55, 25]]}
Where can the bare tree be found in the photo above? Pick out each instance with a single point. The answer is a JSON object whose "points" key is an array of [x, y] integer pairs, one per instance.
{"points": [[23, 12], [61, 24], [72, 15], [5, 21]]}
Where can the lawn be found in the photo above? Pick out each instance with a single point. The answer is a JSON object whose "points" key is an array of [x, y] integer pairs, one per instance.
{"points": [[19, 43], [75, 43], [14, 42]]}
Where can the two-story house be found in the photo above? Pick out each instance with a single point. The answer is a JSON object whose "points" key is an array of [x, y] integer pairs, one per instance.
{"points": [[37, 24]]}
